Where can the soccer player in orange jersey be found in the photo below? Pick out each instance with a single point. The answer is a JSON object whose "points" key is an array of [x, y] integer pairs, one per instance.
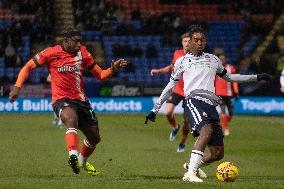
{"points": [[177, 96], [66, 63], [227, 91]]}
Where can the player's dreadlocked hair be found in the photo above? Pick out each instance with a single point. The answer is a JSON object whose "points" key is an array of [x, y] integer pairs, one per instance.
{"points": [[195, 29]]}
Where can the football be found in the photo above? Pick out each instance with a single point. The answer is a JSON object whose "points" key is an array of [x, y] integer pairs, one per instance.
{"points": [[227, 172]]}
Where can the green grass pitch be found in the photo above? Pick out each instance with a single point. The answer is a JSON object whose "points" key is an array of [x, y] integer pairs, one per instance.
{"points": [[134, 155]]}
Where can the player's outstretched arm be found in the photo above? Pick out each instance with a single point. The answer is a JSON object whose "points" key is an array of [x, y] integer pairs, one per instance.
{"points": [[101, 74], [166, 69], [247, 78], [22, 77], [164, 96], [176, 75]]}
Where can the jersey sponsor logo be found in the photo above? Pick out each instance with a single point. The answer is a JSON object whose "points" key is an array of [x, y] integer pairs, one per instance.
{"points": [[200, 64], [69, 69]]}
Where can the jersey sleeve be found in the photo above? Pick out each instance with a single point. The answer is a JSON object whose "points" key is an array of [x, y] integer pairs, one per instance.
{"points": [[220, 71], [175, 76], [88, 59], [220, 67], [42, 58]]}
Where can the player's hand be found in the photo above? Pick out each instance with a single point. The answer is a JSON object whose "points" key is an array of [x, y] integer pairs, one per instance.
{"points": [[154, 72], [264, 77], [151, 116], [14, 93], [118, 64]]}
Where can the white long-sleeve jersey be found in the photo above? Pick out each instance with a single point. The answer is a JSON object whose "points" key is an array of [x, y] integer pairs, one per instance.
{"points": [[198, 73]]}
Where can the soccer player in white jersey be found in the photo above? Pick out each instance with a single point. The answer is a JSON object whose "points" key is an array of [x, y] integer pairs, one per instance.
{"points": [[198, 70]]}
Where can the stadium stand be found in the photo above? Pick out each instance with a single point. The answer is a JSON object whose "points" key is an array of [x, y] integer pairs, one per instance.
{"points": [[146, 32], [23, 24], [227, 27]]}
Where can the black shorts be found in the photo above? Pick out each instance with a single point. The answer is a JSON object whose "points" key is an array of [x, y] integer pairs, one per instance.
{"points": [[200, 113], [229, 102], [175, 98], [85, 113]]}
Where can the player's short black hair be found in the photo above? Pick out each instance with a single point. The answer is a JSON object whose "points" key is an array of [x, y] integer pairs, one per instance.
{"points": [[70, 32], [185, 35], [195, 29]]}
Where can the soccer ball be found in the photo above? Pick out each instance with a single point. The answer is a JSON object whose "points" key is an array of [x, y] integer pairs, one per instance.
{"points": [[227, 172]]}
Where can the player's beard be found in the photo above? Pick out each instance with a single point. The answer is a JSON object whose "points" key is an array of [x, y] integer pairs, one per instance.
{"points": [[70, 48]]}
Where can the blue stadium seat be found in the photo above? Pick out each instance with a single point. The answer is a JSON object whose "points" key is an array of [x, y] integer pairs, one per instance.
{"points": [[2, 62], [136, 24], [9, 72], [2, 71]]}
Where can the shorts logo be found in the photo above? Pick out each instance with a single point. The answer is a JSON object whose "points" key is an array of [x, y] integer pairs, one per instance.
{"points": [[204, 114]]}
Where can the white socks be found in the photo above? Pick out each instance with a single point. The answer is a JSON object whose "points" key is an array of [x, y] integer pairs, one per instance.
{"points": [[71, 152], [82, 160], [195, 160]]}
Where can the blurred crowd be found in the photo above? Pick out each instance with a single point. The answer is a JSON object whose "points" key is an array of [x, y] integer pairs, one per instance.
{"points": [[24, 18], [36, 19]]}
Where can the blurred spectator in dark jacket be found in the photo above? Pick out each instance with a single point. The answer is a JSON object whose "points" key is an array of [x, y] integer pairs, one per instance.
{"points": [[151, 51], [137, 51], [10, 54]]}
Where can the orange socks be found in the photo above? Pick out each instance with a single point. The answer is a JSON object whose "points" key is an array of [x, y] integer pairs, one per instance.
{"points": [[225, 119], [72, 140], [87, 149]]}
